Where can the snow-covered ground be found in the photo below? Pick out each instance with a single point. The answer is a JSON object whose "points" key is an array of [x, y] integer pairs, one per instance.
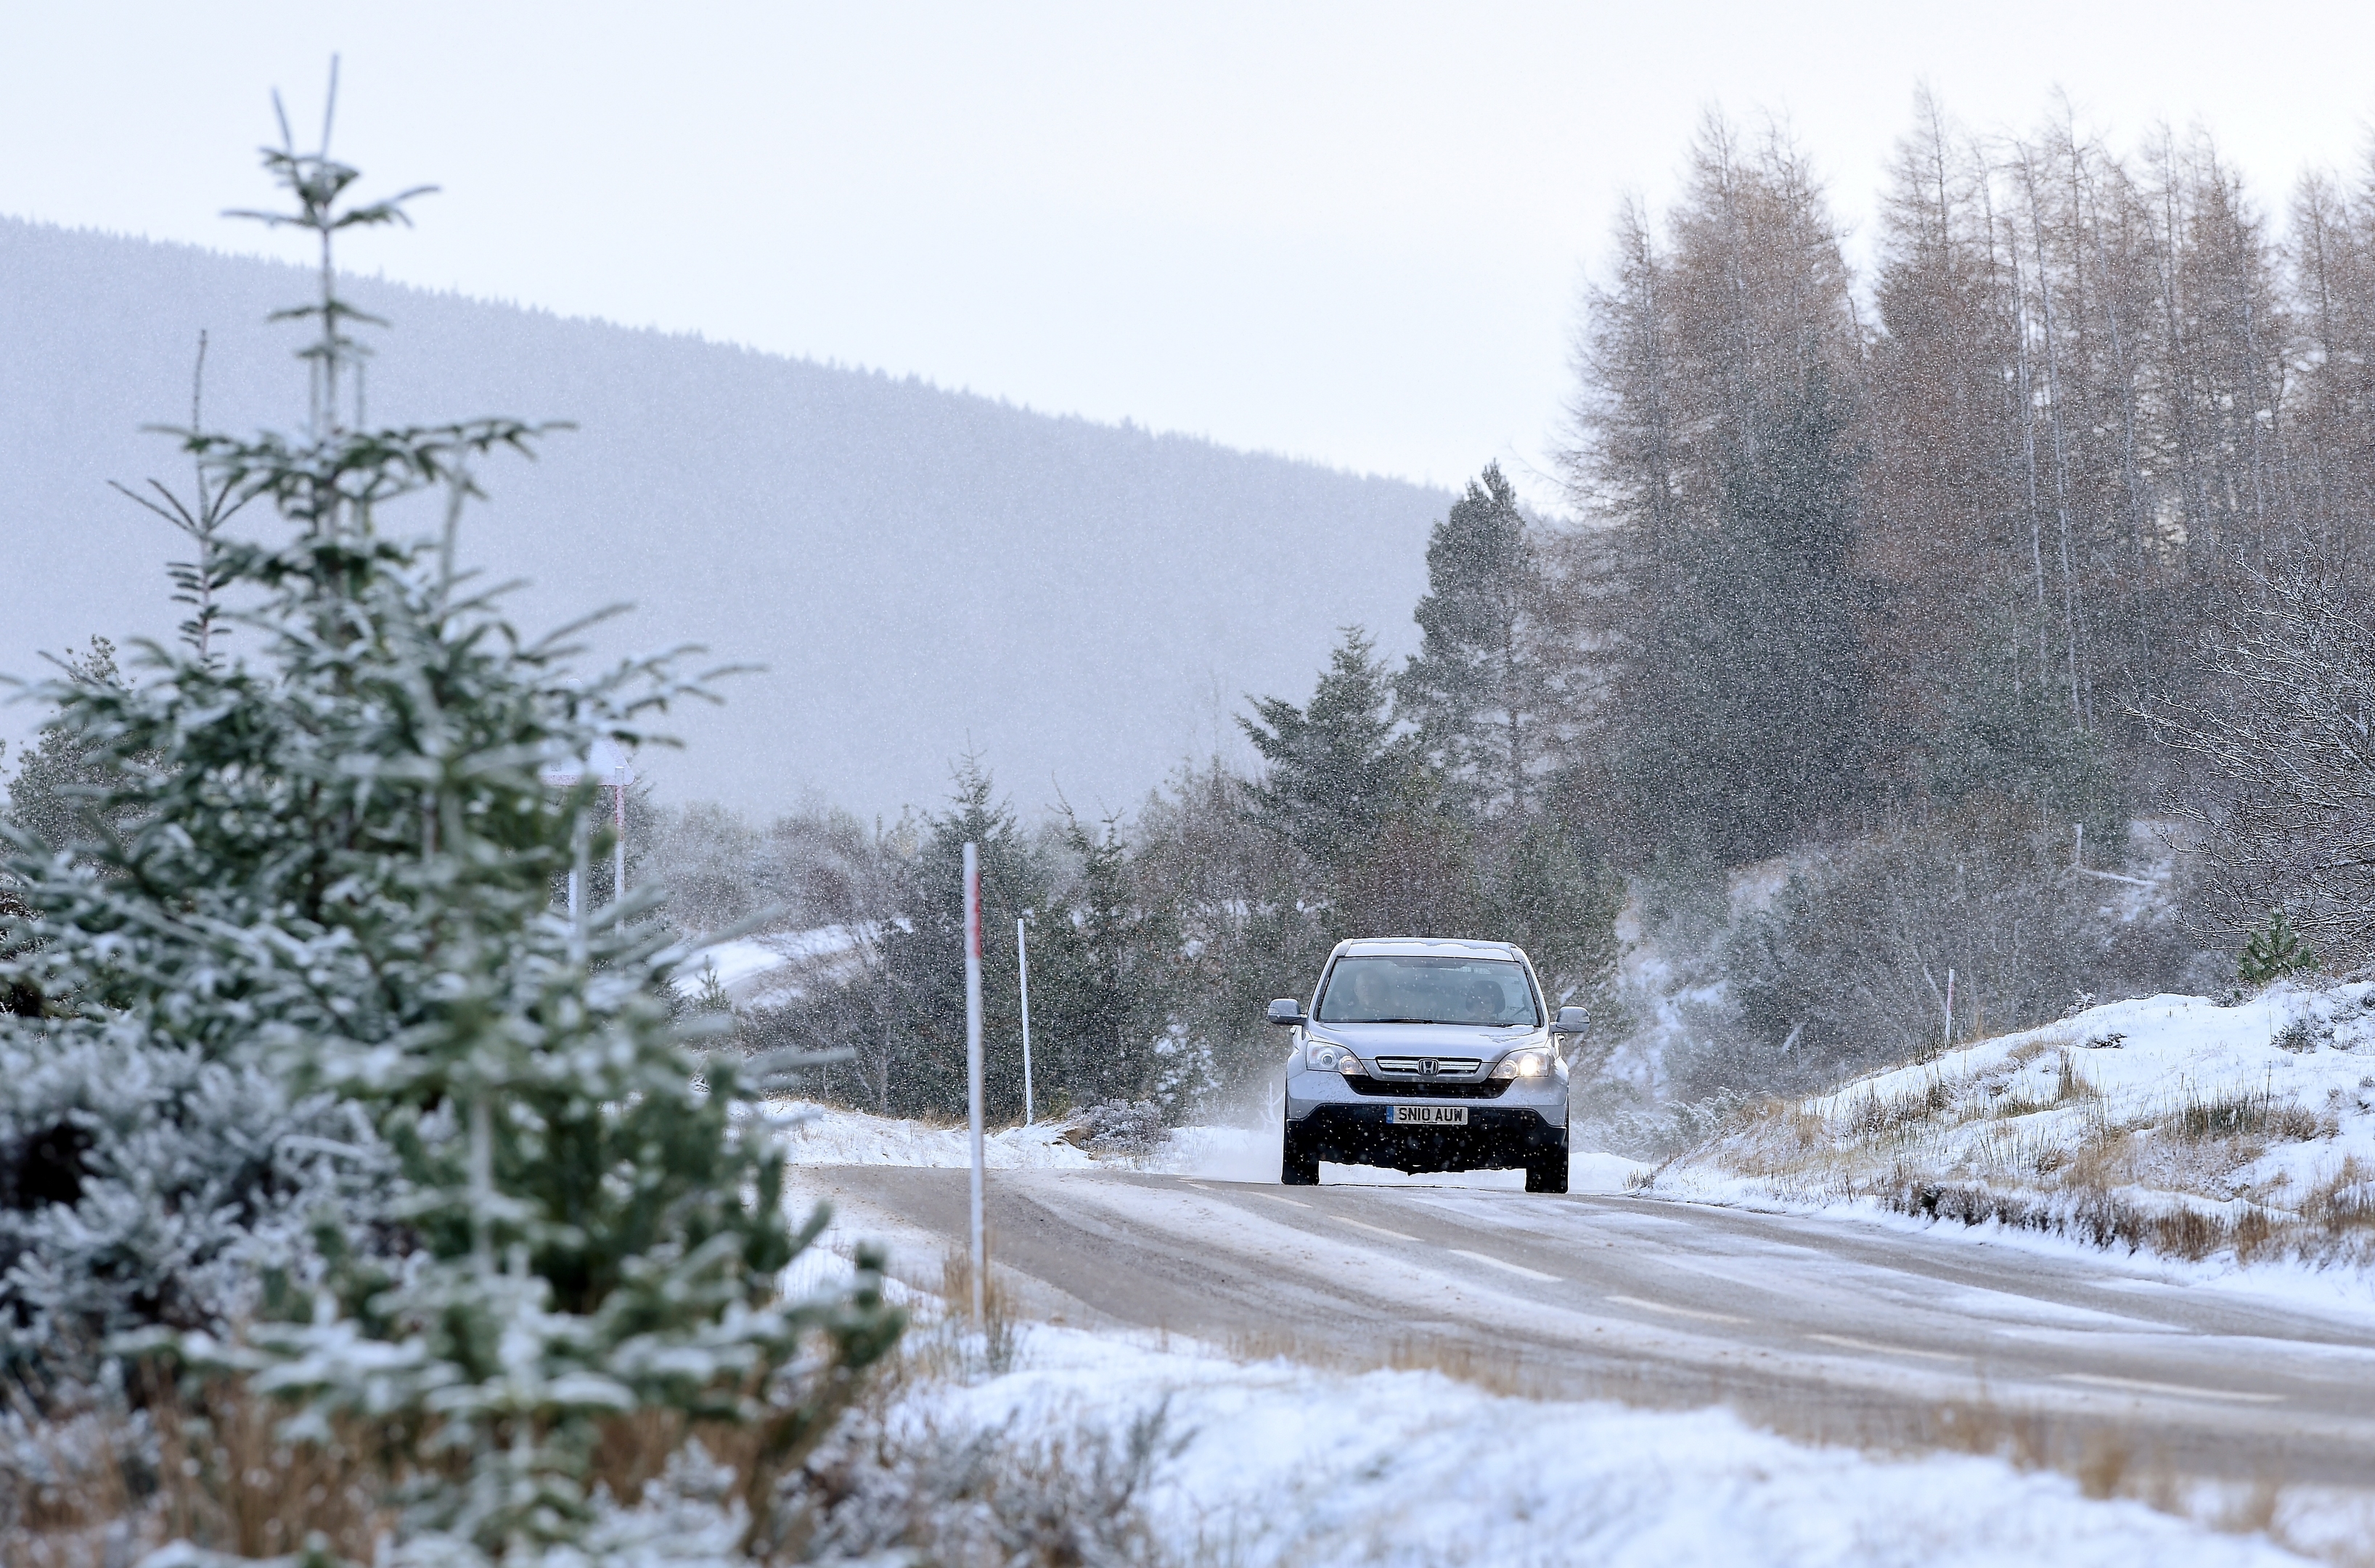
{"points": [[2176, 1123], [1273, 1462], [760, 968], [827, 1135]]}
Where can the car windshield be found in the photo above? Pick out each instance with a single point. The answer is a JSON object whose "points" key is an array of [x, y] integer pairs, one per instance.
{"points": [[1390, 989]]}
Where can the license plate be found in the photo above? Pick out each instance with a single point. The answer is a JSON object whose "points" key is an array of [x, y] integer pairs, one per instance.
{"points": [[1430, 1115]]}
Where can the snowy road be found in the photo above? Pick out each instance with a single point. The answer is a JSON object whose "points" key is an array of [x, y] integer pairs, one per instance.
{"points": [[1831, 1329]]}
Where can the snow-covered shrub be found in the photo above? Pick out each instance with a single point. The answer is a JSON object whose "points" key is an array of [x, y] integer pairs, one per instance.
{"points": [[1122, 1127], [334, 873], [142, 1182], [983, 1496], [1849, 966]]}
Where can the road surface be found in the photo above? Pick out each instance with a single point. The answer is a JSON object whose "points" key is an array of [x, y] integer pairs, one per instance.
{"points": [[1828, 1329]]}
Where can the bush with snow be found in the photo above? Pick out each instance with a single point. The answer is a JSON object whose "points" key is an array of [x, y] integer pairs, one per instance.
{"points": [[539, 1213], [142, 1182], [1122, 1127]]}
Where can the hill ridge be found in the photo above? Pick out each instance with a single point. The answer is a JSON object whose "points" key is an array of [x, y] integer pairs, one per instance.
{"points": [[914, 564]]}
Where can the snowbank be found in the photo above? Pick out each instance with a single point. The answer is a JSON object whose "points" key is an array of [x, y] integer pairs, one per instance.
{"points": [[826, 1134], [2171, 1123], [772, 967], [1277, 1463]]}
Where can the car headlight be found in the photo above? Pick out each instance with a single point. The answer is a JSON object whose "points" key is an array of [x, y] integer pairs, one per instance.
{"points": [[1533, 1062], [1327, 1056]]}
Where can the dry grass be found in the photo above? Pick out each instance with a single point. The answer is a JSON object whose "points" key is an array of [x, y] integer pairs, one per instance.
{"points": [[998, 1328], [207, 1463], [208, 1466], [2029, 1142]]}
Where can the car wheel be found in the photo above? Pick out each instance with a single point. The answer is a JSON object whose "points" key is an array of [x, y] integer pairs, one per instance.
{"points": [[1297, 1167], [1546, 1171]]}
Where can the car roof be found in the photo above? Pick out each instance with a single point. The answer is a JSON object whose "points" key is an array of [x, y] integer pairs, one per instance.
{"points": [[1427, 947]]}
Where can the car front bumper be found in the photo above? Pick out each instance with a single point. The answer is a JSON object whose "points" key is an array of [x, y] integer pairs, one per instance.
{"points": [[1335, 1123]]}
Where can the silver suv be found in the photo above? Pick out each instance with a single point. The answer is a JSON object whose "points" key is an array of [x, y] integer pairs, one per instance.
{"points": [[1426, 1055]]}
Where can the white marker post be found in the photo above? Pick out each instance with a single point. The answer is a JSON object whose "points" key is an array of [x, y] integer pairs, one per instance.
{"points": [[972, 1069], [618, 834], [1022, 964], [609, 765]]}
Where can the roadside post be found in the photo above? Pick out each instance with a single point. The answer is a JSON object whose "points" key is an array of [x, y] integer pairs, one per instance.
{"points": [[608, 764], [1022, 964], [973, 1070], [620, 776]]}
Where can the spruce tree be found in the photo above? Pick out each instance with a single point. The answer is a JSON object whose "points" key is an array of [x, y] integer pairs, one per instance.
{"points": [[1336, 766], [335, 872], [1476, 689], [1099, 980], [1384, 848], [50, 795], [923, 955]]}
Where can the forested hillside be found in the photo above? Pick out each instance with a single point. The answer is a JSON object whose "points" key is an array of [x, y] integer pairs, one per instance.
{"points": [[1925, 651], [919, 570]]}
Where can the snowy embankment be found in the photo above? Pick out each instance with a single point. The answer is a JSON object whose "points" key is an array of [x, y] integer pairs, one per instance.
{"points": [[1280, 1463], [1263, 1463], [770, 969], [830, 1134], [2171, 1124]]}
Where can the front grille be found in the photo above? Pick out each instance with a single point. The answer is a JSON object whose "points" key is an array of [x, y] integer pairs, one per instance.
{"points": [[1405, 1089], [1445, 1066]]}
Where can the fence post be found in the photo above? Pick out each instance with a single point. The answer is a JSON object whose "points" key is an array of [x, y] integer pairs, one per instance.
{"points": [[973, 1070], [1022, 964]]}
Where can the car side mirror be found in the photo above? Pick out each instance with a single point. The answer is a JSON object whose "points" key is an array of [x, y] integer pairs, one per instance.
{"points": [[1287, 1011], [1571, 1020]]}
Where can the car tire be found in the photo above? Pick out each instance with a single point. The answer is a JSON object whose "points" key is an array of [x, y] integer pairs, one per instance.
{"points": [[1546, 1171], [1297, 1166]]}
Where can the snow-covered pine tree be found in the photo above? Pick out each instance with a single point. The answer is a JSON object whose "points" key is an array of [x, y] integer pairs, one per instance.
{"points": [[335, 873], [923, 954], [1477, 687], [143, 1180]]}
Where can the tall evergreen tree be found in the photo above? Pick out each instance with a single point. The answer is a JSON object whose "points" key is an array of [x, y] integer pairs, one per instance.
{"points": [[1480, 689], [923, 955], [1383, 849], [1337, 766], [334, 875]]}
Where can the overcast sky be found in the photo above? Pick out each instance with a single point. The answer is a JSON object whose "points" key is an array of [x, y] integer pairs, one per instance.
{"points": [[1354, 233]]}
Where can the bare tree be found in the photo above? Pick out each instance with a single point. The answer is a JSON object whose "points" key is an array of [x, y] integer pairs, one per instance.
{"points": [[2283, 782]]}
